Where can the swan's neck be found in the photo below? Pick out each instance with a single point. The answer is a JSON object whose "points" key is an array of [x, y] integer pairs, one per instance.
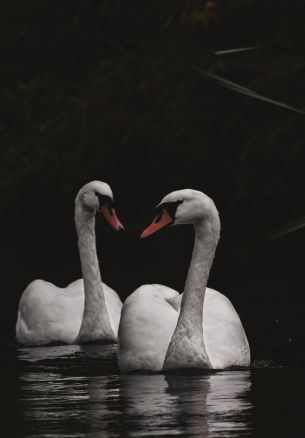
{"points": [[186, 348], [95, 323]]}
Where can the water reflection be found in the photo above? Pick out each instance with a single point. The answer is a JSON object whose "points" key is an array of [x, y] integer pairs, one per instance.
{"points": [[59, 352], [201, 405], [43, 353], [73, 391]]}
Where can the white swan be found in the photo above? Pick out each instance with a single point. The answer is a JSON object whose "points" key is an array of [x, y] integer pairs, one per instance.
{"points": [[87, 310], [160, 329]]}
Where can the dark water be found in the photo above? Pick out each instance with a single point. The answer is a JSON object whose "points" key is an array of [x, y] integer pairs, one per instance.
{"points": [[77, 391]]}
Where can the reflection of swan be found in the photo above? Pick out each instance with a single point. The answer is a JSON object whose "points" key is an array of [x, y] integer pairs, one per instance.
{"points": [[227, 402], [54, 352], [55, 398], [101, 352], [159, 330], [144, 396], [185, 405], [86, 310]]}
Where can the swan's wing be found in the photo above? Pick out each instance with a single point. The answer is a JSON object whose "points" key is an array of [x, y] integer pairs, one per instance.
{"points": [[224, 336], [175, 302], [112, 299], [47, 314], [146, 326], [76, 287], [114, 307]]}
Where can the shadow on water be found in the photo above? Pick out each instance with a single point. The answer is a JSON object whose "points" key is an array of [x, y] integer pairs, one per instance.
{"points": [[77, 391]]}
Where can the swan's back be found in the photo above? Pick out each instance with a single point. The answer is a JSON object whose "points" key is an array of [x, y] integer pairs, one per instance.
{"points": [[48, 313], [147, 323], [223, 333]]}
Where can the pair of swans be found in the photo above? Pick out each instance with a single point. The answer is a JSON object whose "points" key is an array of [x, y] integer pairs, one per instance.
{"points": [[157, 328]]}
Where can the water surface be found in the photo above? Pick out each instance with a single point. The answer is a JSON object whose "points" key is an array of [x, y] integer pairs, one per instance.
{"points": [[77, 391]]}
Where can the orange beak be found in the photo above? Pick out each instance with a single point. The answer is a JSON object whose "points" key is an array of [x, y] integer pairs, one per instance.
{"points": [[157, 224], [112, 218]]}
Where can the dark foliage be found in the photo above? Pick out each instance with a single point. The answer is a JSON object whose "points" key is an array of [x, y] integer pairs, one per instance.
{"points": [[90, 91]]}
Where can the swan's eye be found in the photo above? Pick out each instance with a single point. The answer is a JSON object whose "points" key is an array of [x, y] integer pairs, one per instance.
{"points": [[167, 208], [105, 201]]}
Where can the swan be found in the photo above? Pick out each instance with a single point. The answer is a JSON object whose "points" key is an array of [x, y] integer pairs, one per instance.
{"points": [[87, 310], [162, 330]]}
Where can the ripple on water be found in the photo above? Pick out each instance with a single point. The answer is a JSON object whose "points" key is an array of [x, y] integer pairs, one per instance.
{"points": [[75, 391]]}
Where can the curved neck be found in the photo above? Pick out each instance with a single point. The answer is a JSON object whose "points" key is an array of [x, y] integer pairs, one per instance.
{"points": [[95, 323], [186, 348]]}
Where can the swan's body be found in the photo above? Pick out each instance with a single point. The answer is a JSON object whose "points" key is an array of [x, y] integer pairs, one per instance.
{"points": [[52, 314], [87, 310], [148, 321], [160, 329]]}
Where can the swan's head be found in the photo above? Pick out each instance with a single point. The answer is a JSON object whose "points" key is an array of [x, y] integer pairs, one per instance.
{"points": [[97, 196], [182, 207]]}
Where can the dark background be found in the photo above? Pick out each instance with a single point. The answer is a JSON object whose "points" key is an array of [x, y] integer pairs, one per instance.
{"points": [[90, 90]]}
